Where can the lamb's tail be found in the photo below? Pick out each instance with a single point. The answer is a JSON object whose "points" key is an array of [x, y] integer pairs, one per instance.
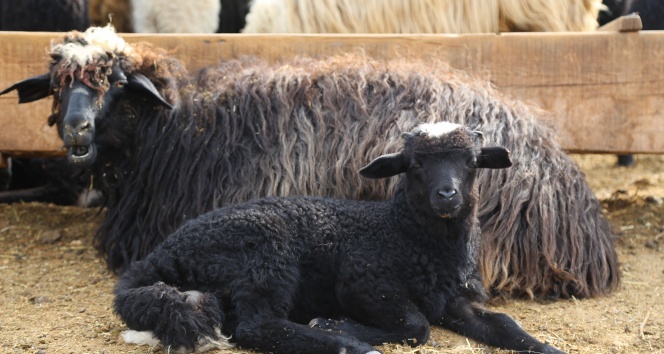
{"points": [[182, 321]]}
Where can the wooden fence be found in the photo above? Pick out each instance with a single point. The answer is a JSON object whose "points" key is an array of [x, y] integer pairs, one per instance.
{"points": [[605, 89]]}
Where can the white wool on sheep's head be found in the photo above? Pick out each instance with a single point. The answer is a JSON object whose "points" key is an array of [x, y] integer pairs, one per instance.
{"points": [[436, 130], [82, 48]]}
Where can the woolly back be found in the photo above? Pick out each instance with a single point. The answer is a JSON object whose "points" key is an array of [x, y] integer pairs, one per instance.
{"points": [[549, 15], [249, 129], [422, 16]]}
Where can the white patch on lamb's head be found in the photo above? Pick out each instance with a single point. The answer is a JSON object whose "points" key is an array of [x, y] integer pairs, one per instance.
{"points": [[83, 48], [437, 130]]}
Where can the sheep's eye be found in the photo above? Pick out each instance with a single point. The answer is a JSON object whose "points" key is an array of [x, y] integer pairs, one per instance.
{"points": [[120, 83], [416, 165]]}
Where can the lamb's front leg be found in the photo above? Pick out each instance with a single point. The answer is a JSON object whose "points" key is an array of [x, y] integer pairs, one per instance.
{"points": [[280, 336], [495, 329], [377, 321], [262, 324]]}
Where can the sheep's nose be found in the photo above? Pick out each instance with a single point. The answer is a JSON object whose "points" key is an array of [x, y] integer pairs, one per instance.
{"points": [[447, 193], [84, 127], [77, 124]]}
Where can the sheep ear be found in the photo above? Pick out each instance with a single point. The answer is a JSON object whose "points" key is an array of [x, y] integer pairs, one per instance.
{"points": [[385, 166], [142, 84], [494, 157], [32, 89]]}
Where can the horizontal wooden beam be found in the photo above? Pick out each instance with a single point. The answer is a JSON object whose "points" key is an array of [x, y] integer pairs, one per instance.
{"points": [[605, 89]]}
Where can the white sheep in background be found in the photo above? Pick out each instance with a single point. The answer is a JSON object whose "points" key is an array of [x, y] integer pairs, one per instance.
{"points": [[422, 16], [151, 16]]}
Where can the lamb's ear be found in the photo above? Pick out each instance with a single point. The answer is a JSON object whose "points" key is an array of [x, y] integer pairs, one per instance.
{"points": [[494, 157], [385, 166], [32, 89], [142, 84]]}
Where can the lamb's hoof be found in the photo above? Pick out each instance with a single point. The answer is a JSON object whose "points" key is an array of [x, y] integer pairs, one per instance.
{"points": [[139, 338], [204, 343]]}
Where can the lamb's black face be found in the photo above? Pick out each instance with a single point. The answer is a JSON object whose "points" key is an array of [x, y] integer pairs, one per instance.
{"points": [[442, 182], [440, 161]]}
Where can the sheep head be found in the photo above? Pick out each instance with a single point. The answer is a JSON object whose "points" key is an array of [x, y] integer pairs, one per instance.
{"points": [[89, 71], [440, 161]]}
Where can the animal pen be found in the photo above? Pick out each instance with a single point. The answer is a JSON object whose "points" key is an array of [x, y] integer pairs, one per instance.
{"points": [[603, 90]]}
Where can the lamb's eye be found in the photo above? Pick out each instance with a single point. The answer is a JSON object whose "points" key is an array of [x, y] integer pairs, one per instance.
{"points": [[120, 83]]}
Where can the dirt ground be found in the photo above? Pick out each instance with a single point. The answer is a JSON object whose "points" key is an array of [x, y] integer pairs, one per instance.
{"points": [[55, 294]]}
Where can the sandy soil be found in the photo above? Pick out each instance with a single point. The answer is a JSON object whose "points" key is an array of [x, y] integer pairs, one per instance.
{"points": [[55, 294]]}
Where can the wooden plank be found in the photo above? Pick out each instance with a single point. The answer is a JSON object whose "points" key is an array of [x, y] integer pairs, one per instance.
{"points": [[627, 23], [604, 90], [599, 103]]}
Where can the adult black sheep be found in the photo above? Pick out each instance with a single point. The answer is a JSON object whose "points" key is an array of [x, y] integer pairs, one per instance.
{"points": [[246, 129]]}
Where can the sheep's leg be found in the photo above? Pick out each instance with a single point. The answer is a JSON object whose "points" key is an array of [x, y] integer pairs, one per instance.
{"points": [[396, 322], [278, 335], [263, 299], [495, 329]]}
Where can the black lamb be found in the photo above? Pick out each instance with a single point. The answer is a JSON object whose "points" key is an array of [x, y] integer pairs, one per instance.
{"points": [[359, 273]]}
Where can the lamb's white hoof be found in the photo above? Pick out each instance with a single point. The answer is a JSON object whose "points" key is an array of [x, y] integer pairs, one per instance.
{"points": [[139, 338], [204, 343]]}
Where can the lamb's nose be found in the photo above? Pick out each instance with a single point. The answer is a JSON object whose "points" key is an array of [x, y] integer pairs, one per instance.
{"points": [[447, 193]]}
